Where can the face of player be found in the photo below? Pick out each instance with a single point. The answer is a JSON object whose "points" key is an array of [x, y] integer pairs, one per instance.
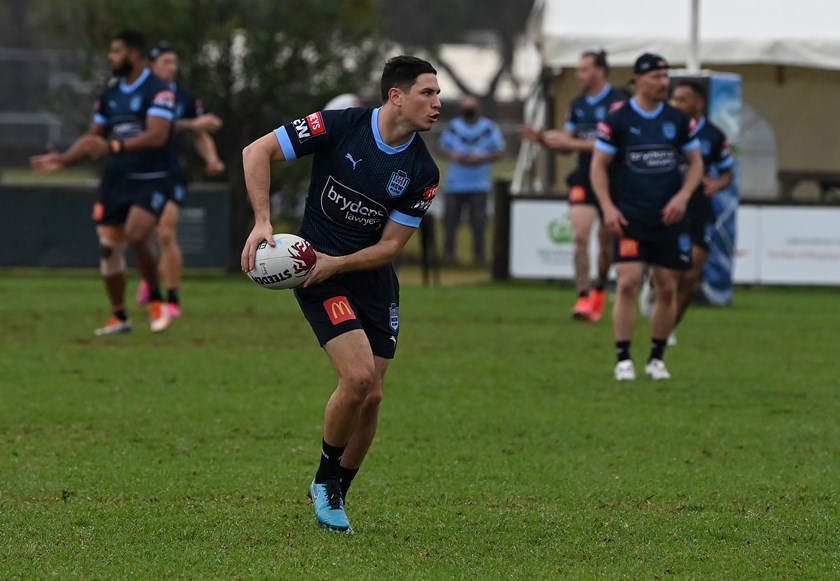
{"points": [[654, 85], [421, 104], [119, 57], [166, 66], [688, 102], [588, 75]]}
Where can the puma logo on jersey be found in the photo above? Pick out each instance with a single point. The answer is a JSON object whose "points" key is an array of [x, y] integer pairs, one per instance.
{"points": [[353, 161]]}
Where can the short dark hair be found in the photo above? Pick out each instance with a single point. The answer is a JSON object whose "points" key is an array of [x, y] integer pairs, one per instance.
{"points": [[402, 72], [132, 39], [599, 58], [696, 87]]}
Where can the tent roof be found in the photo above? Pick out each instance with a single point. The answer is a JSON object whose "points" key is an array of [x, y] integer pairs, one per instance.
{"points": [[788, 32]]}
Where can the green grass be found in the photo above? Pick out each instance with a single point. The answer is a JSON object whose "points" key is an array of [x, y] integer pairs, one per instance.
{"points": [[505, 449]]}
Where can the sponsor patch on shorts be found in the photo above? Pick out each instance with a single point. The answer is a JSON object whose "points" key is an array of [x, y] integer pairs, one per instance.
{"points": [[577, 194], [338, 309], [628, 248]]}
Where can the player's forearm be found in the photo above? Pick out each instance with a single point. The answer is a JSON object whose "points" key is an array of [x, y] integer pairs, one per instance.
{"points": [[76, 152], [257, 166], [725, 180], [149, 139], [370, 258], [693, 178], [206, 147], [600, 180]]}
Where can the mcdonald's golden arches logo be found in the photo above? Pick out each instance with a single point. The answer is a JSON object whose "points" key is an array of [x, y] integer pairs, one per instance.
{"points": [[338, 309]]}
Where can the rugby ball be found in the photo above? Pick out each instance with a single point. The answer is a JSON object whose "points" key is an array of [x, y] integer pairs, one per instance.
{"points": [[286, 265]]}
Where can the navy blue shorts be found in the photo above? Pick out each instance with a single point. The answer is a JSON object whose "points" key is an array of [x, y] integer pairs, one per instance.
{"points": [[581, 192], [657, 244], [701, 216], [117, 194], [368, 300]]}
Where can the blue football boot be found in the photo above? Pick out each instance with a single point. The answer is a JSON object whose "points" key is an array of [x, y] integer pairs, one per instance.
{"points": [[329, 505]]}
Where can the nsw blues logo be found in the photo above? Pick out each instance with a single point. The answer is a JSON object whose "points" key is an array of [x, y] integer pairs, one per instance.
{"points": [[394, 317], [135, 103], [669, 130], [398, 183], [600, 113], [685, 243]]}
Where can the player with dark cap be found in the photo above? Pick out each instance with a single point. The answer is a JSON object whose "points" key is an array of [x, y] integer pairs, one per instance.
{"points": [[644, 201], [372, 181], [189, 116]]}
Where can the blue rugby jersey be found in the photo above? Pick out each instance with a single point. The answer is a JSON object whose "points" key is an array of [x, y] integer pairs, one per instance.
{"points": [[582, 118], [123, 109], [187, 106], [647, 147], [358, 181], [714, 146]]}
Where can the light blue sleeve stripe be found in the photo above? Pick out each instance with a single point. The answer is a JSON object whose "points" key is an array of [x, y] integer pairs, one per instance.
{"points": [[691, 145], [405, 219], [726, 163], [100, 119], [285, 143], [160, 112], [569, 126], [605, 147]]}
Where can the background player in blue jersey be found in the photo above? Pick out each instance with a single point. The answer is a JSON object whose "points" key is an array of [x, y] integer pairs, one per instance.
{"points": [[644, 203], [471, 142], [690, 98], [132, 121], [372, 181], [598, 98], [189, 116]]}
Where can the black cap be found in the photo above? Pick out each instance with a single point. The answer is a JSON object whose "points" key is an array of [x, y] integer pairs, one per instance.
{"points": [[159, 49], [649, 62]]}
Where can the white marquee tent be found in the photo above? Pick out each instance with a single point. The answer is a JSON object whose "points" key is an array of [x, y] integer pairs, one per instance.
{"points": [[786, 32], [786, 51]]}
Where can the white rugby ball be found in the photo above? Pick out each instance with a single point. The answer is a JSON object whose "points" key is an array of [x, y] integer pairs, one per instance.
{"points": [[286, 265]]}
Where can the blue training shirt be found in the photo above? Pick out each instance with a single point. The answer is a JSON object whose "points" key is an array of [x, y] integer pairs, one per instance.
{"points": [[124, 109], [582, 118], [187, 106], [647, 147], [358, 181], [482, 137]]}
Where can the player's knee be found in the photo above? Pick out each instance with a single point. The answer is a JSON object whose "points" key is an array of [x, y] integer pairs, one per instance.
{"points": [[627, 285], [666, 289], [166, 237], [372, 400], [582, 239], [111, 257], [358, 383]]}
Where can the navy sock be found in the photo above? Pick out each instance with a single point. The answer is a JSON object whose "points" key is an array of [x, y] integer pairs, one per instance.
{"points": [[622, 350], [657, 348], [173, 296], [330, 463], [347, 476]]}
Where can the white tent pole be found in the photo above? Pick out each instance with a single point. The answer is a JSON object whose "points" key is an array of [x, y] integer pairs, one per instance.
{"points": [[693, 63]]}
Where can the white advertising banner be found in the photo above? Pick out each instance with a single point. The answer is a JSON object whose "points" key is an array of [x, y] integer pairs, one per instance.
{"points": [[542, 243], [745, 269], [799, 245], [793, 245]]}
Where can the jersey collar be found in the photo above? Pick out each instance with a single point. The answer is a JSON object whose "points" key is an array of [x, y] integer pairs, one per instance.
{"points": [[374, 125], [646, 114], [137, 82], [591, 100], [700, 123]]}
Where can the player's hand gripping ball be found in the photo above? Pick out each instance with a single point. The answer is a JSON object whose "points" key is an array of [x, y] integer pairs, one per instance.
{"points": [[284, 266]]}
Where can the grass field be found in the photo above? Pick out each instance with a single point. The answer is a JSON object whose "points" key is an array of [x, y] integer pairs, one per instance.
{"points": [[505, 449]]}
